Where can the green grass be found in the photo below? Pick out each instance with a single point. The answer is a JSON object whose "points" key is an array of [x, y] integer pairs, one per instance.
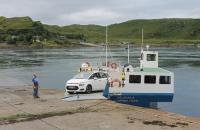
{"points": [[16, 23]]}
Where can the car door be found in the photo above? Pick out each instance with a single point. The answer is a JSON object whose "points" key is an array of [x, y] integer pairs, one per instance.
{"points": [[99, 81], [95, 81], [104, 80]]}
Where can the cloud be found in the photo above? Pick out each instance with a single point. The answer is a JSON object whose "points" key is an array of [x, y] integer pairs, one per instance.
{"points": [[94, 15], [65, 12]]}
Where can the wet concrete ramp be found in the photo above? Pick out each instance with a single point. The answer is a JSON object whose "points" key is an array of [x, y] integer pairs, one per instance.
{"points": [[79, 97]]}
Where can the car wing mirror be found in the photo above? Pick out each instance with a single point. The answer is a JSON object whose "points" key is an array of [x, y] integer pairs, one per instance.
{"points": [[95, 78]]}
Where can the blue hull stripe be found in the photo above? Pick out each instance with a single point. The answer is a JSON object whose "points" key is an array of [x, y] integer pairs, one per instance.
{"points": [[139, 97], [145, 97]]}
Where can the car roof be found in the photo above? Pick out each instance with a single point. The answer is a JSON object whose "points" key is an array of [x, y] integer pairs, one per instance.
{"points": [[92, 72], [99, 72]]}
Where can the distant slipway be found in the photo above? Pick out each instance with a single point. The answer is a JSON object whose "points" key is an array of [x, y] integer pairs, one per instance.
{"points": [[89, 44]]}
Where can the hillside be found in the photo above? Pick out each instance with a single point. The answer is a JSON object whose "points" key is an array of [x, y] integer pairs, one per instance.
{"points": [[23, 30], [155, 31], [89, 33], [165, 30]]}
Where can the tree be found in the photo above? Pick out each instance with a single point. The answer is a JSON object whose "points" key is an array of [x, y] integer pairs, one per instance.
{"points": [[10, 39]]}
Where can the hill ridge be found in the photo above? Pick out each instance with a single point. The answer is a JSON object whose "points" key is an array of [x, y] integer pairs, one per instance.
{"points": [[166, 30]]}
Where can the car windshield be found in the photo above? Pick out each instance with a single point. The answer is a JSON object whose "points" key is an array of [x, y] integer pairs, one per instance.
{"points": [[82, 75]]}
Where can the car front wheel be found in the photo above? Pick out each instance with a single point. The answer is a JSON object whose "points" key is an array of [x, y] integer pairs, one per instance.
{"points": [[88, 89]]}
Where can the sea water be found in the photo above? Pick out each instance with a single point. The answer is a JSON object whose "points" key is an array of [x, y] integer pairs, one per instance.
{"points": [[55, 66]]}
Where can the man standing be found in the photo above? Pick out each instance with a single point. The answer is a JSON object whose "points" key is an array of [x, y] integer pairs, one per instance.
{"points": [[35, 86]]}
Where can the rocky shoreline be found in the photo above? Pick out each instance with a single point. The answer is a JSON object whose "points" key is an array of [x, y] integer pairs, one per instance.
{"points": [[8, 46]]}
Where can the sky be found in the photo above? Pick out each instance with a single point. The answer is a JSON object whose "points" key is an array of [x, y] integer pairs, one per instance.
{"points": [[101, 12]]}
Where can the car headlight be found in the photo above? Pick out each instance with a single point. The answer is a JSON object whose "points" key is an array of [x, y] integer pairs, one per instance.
{"points": [[81, 84]]}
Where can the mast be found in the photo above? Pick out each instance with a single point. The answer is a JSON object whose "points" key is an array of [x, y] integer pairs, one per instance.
{"points": [[128, 53], [106, 46], [141, 59], [142, 41]]}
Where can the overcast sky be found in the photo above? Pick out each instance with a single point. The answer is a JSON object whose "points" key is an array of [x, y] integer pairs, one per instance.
{"points": [[65, 12]]}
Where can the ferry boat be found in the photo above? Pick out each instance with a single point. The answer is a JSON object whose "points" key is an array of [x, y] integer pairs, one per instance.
{"points": [[141, 85]]}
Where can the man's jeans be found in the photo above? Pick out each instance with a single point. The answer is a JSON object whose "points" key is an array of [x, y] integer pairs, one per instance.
{"points": [[35, 92]]}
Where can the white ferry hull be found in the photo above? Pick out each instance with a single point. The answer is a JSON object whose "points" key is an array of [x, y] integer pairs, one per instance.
{"points": [[138, 98]]}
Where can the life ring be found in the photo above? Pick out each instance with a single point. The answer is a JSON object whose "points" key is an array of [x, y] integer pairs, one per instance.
{"points": [[114, 66], [115, 81]]}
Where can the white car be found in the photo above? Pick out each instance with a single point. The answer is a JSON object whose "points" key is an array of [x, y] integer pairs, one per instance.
{"points": [[87, 82]]}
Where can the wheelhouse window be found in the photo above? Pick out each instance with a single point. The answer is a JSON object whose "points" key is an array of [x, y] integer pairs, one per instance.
{"points": [[134, 78], [165, 80], [151, 57], [150, 79]]}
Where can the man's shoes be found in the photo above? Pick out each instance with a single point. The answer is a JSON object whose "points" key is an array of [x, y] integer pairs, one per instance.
{"points": [[36, 97]]}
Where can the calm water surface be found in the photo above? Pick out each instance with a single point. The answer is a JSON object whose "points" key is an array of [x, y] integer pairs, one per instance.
{"points": [[56, 66]]}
